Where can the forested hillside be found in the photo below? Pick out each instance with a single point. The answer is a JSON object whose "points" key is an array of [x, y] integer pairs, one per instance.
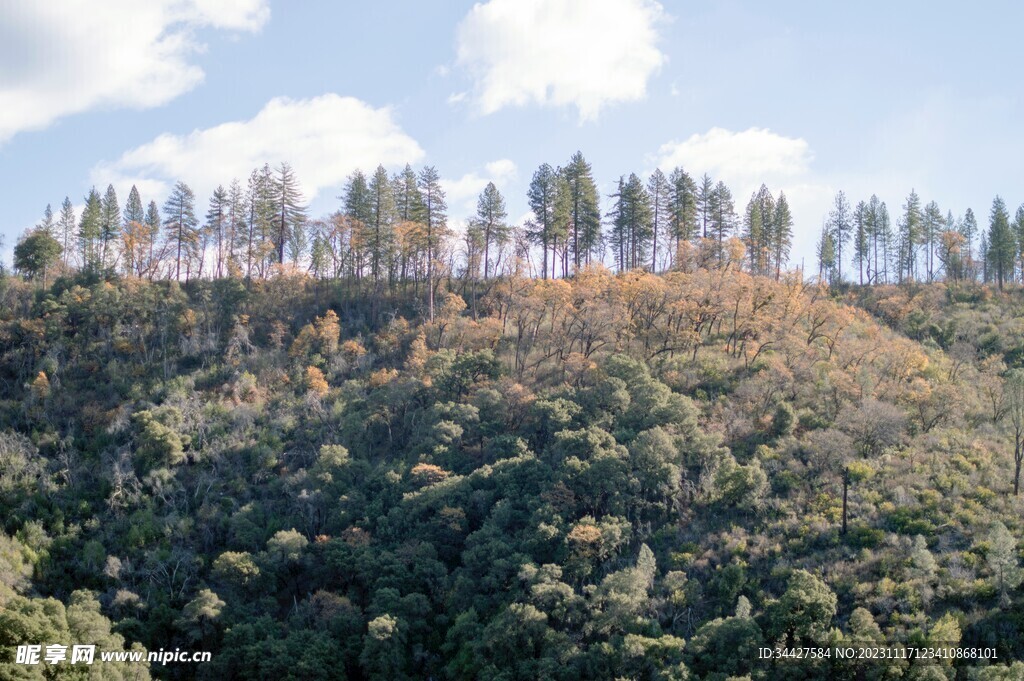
{"points": [[606, 476]]}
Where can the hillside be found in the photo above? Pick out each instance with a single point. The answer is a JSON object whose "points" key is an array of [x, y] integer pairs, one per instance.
{"points": [[611, 476]]}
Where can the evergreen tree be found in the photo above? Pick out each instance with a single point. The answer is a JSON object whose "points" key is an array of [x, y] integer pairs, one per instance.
{"points": [[659, 192], [827, 256], [969, 230], [435, 219], [358, 207], [408, 200], [236, 226], [931, 225], [133, 210], [909, 237], [841, 226], [983, 251], [66, 228], [782, 234], [48, 226], [542, 196], [861, 248], [181, 223], [723, 216], [217, 220], [758, 226], [153, 235], [260, 205], [289, 212], [884, 226], [632, 231], [1002, 247], [410, 210], [381, 221], [705, 196], [683, 203], [490, 220], [754, 233], [585, 214], [1018, 234], [110, 225], [90, 231]]}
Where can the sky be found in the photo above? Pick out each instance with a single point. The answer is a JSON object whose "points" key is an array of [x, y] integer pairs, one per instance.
{"points": [[874, 97]]}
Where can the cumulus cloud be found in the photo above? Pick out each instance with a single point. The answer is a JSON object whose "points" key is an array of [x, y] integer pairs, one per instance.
{"points": [[324, 139], [582, 53], [462, 192], [62, 58], [739, 156], [746, 159]]}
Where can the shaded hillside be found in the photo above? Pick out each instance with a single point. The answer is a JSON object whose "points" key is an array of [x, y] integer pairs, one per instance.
{"points": [[609, 476]]}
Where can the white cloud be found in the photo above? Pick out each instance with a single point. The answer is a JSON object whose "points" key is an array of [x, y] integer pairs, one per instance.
{"points": [[462, 192], [62, 58], [744, 160], [584, 53], [324, 139], [739, 156]]}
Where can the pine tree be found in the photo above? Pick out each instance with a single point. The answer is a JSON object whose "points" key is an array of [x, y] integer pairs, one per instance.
{"points": [[410, 210], [983, 252], [753, 233], [782, 234], [358, 209], [66, 228], [1018, 234], [1002, 247], [289, 211], [490, 219], [261, 204], [236, 226], [435, 219], [705, 197], [181, 223], [827, 255], [659, 192], [585, 214], [910, 236], [110, 226], [381, 220], [931, 225], [872, 227], [683, 203], [217, 217], [861, 247], [632, 216], [758, 225], [541, 196], [48, 226], [884, 227], [969, 230], [153, 235], [841, 226], [408, 200], [133, 210], [723, 216], [90, 231]]}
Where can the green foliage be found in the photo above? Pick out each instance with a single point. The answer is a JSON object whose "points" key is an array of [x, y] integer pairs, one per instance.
{"points": [[599, 477]]}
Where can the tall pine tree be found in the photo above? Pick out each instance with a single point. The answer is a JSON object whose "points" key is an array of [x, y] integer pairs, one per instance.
{"points": [[1002, 247], [584, 212], [435, 219], [181, 223], [490, 219]]}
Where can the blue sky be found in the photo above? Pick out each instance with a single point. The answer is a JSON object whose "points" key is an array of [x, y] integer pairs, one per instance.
{"points": [[810, 98]]}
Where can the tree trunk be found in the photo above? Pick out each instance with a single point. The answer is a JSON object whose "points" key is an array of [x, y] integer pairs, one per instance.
{"points": [[846, 489]]}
